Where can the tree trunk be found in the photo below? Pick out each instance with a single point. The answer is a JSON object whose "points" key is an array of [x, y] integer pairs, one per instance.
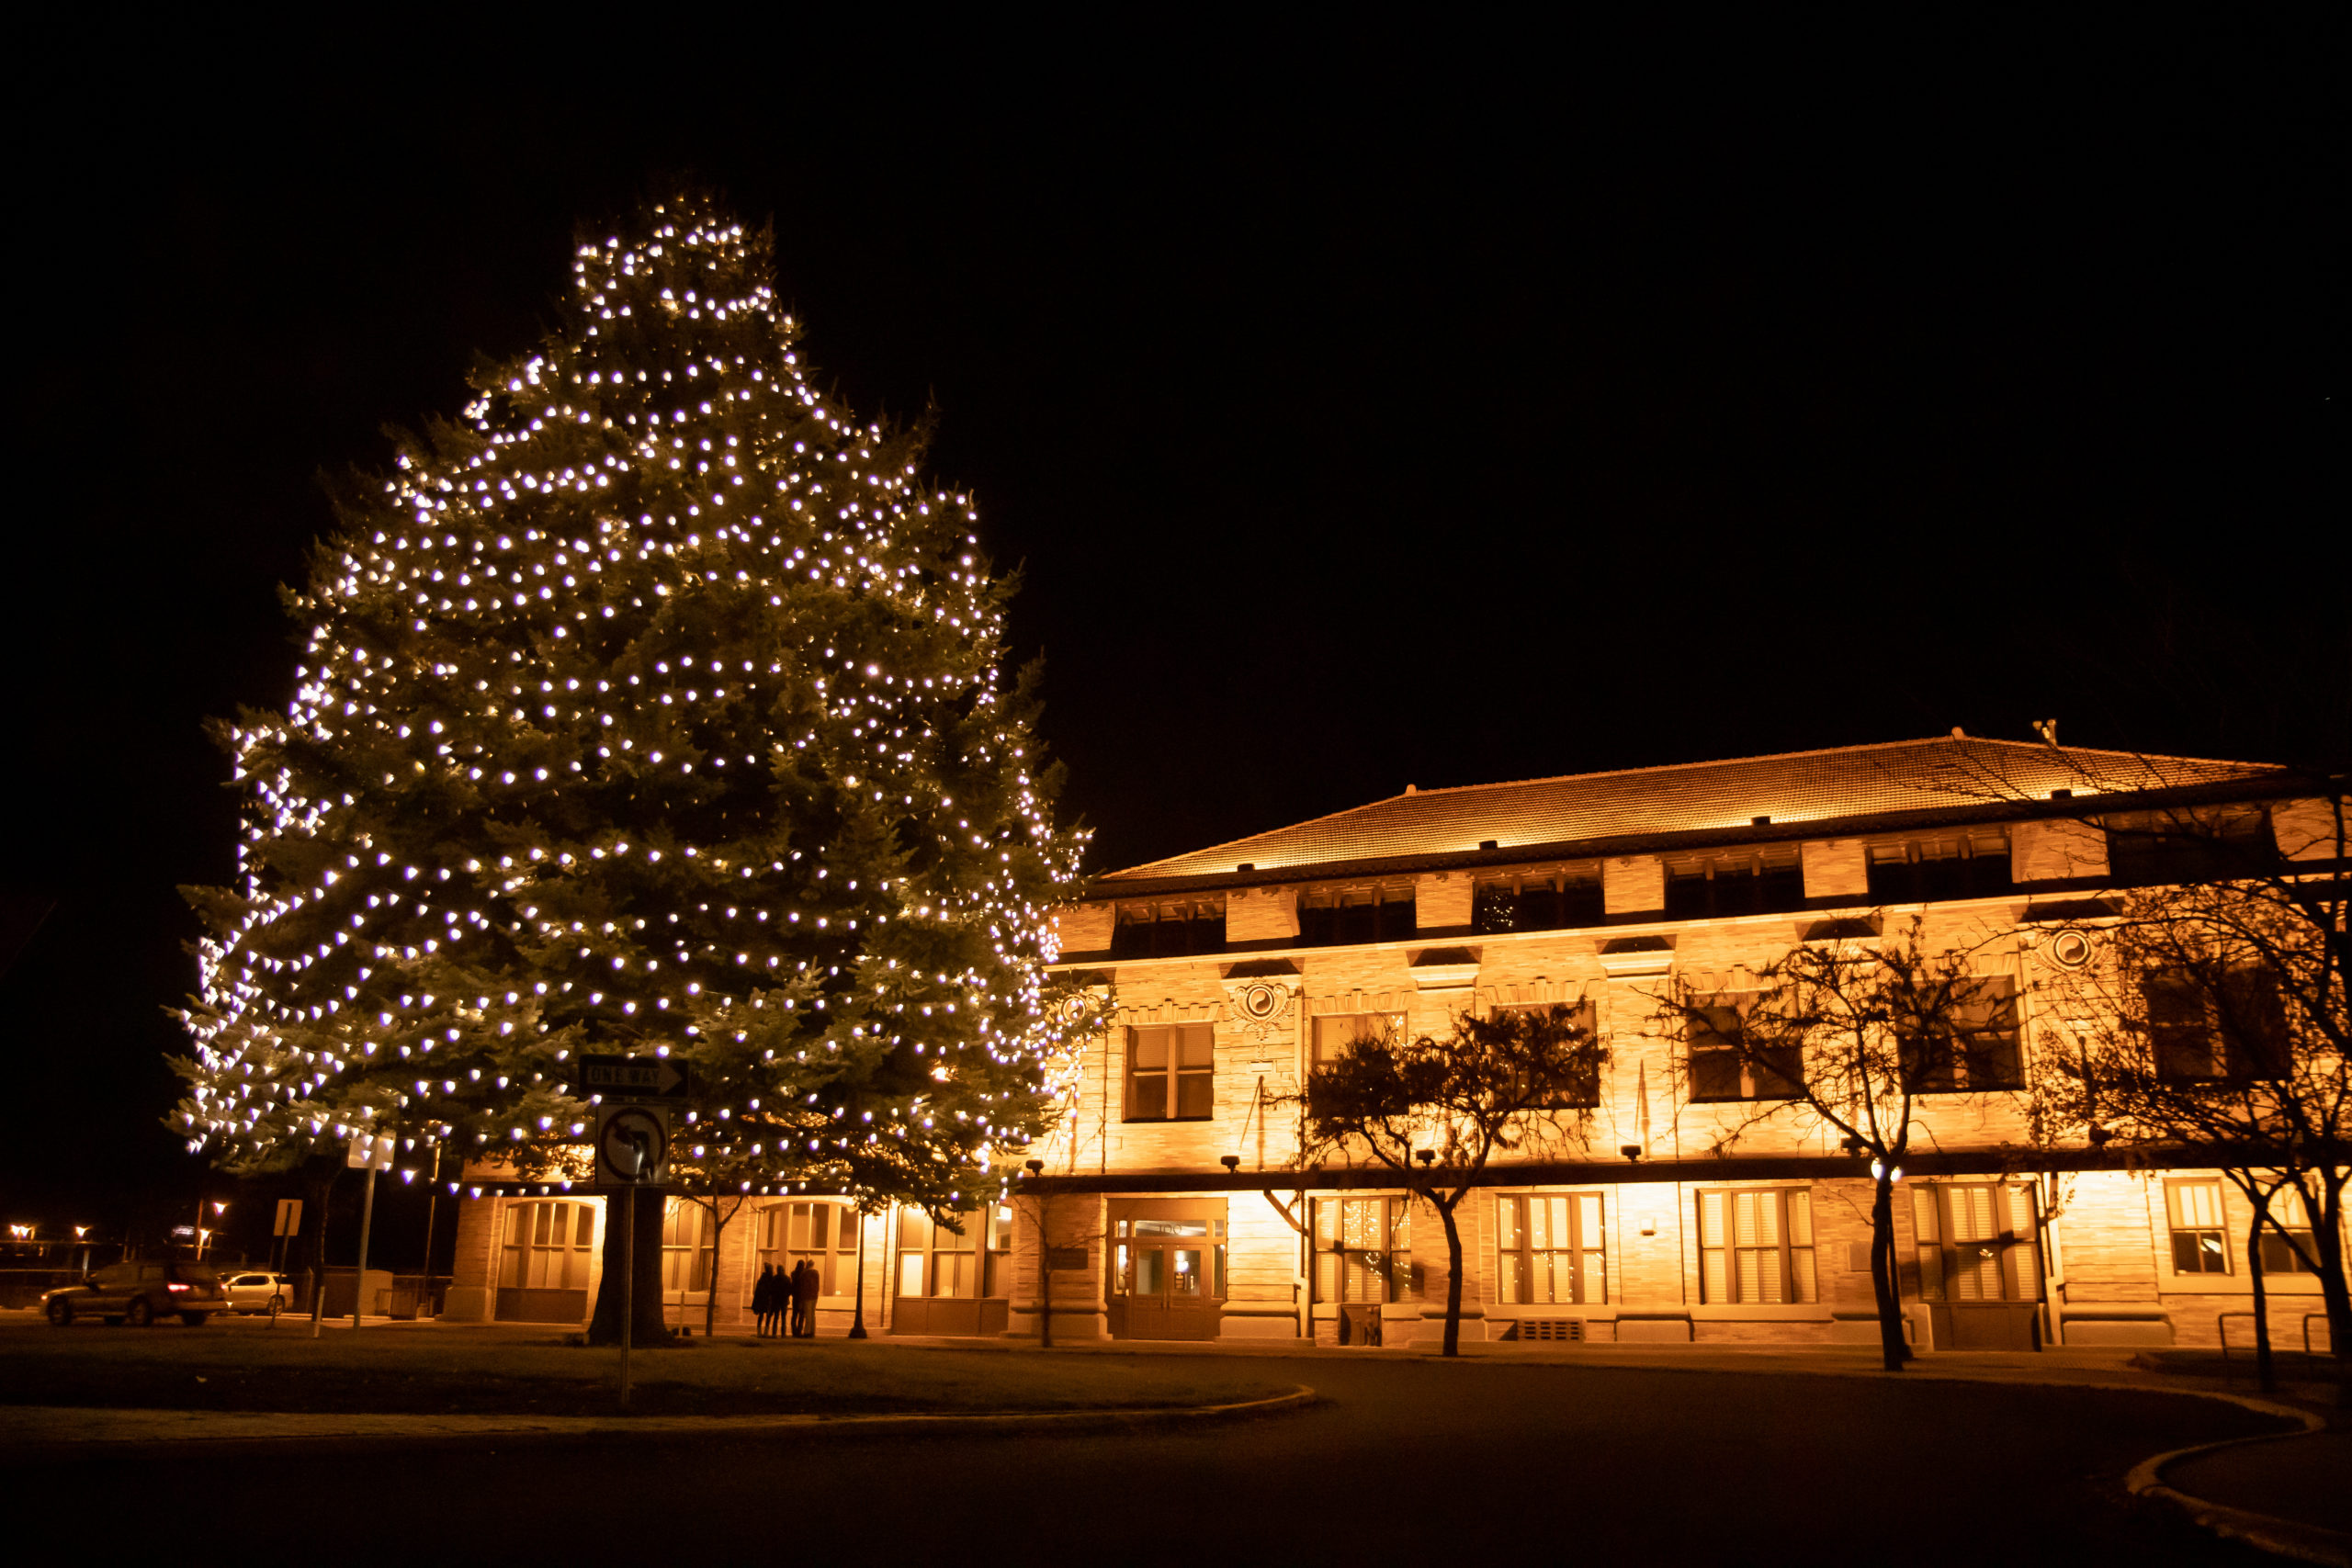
{"points": [[2327, 1240], [649, 1331], [1453, 1278], [718, 1232], [1893, 1349], [2266, 1375], [317, 1191], [1045, 1279]]}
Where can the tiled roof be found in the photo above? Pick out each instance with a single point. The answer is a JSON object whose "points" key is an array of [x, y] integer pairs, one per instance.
{"points": [[1797, 786]]}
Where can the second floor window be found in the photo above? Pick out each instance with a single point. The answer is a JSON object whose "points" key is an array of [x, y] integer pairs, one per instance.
{"points": [[1168, 930], [2205, 845], [1336, 1034], [1171, 1073], [1335, 918], [2222, 1027], [1725, 1064], [1924, 868], [1980, 1051], [1742, 882], [1585, 1092], [1537, 903]]}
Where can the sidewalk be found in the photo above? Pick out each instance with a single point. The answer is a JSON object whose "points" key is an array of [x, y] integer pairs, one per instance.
{"points": [[25, 1428], [2307, 1478]]}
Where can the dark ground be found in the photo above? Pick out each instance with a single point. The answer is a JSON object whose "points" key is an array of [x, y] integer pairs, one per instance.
{"points": [[1405, 1463]]}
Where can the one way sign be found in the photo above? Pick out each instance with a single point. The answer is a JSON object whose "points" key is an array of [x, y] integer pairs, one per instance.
{"points": [[635, 1078]]}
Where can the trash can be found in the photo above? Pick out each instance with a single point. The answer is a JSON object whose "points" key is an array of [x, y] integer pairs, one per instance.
{"points": [[406, 1300]]}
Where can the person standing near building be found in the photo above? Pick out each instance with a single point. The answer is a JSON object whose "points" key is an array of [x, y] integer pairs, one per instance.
{"points": [[805, 1284], [763, 1299]]}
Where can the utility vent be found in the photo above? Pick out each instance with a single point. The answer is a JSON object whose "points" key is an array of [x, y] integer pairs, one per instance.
{"points": [[1569, 1330]]}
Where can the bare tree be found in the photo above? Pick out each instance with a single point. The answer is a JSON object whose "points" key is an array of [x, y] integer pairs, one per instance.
{"points": [[721, 1199], [2209, 1032], [1436, 1112], [2216, 1028], [1853, 1031]]}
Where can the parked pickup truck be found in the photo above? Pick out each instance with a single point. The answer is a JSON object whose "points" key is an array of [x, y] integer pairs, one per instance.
{"points": [[139, 1293]]}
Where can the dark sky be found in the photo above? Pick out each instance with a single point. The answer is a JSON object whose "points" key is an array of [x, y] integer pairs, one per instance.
{"points": [[1430, 411]]}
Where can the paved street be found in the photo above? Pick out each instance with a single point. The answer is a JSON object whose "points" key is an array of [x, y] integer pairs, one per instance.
{"points": [[1409, 1460]]}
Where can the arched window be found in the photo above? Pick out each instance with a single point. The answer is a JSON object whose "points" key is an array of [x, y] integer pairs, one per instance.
{"points": [[546, 1261], [822, 1232], [687, 1261]]}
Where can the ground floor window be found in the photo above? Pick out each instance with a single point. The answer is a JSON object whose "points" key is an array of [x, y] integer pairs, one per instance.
{"points": [[936, 1261], [1364, 1249], [687, 1261], [825, 1235], [2287, 1215], [1974, 1241], [548, 1246], [1757, 1245], [1549, 1248], [2200, 1237]]}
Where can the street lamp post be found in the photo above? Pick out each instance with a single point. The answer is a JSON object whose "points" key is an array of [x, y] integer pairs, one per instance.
{"points": [[1044, 1265], [432, 1200]]}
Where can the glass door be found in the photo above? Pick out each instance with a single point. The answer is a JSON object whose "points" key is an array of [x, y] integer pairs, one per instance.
{"points": [[1168, 1276]]}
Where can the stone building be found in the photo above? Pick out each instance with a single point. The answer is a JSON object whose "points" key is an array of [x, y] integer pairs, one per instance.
{"points": [[1169, 1199]]}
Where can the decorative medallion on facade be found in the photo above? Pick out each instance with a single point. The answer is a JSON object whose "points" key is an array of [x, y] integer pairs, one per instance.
{"points": [[2070, 948], [1261, 1007]]}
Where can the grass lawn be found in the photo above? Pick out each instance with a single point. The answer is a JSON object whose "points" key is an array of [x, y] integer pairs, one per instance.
{"points": [[241, 1364]]}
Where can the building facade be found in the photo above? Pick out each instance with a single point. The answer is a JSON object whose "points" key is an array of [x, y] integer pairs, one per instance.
{"points": [[1168, 1202]]}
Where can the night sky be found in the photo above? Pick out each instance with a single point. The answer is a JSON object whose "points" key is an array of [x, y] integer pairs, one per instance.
{"points": [[1431, 412]]}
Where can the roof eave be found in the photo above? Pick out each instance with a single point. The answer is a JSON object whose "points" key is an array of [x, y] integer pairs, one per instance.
{"points": [[2271, 785]]}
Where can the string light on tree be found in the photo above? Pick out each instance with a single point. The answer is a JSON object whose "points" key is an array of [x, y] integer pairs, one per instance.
{"points": [[656, 705]]}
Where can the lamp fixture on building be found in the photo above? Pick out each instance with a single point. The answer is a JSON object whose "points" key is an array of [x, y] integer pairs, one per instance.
{"points": [[1231, 1163], [1631, 1151]]}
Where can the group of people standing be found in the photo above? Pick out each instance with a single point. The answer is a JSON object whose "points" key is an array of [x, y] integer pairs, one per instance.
{"points": [[779, 1295]]}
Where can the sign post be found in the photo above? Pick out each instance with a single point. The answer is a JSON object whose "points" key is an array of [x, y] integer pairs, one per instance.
{"points": [[631, 1079], [284, 1228], [632, 1151], [370, 1155]]}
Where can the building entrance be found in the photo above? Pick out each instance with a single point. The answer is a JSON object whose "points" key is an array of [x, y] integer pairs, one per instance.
{"points": [[1167, 1261], [1980, 1268]]}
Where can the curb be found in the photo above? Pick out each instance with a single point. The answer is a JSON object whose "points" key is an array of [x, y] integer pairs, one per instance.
{"points": [[2286, 1537], [591, 1428]]}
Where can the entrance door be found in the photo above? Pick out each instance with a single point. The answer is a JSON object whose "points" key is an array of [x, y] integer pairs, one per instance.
{"points": [[1980, 1266], [1167, 1269]]}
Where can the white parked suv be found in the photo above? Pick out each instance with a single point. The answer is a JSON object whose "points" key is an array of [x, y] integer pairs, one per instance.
{"points": [[256, 1290]]}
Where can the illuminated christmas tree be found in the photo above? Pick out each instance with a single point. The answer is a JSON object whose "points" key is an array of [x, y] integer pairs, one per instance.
{"points": [[656, 708]]}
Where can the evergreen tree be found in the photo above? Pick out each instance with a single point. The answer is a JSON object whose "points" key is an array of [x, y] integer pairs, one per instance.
{"points": [[654, 707]]}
